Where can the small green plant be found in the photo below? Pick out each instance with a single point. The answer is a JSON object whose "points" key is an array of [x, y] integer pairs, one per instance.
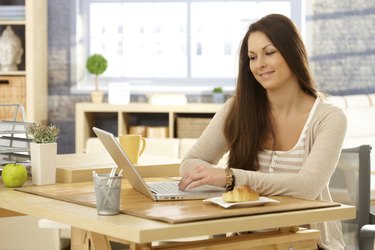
{"points": [[96, 64], [218, 90], [42, 133]]}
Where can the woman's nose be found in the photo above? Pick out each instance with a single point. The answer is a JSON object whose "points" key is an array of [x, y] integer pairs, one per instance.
{"points": [[260, 63]]}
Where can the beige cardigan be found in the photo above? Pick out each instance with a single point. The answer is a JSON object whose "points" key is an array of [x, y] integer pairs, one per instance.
{"points": [[324, 139]]}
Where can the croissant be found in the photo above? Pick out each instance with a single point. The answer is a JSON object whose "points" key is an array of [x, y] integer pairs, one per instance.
{"points": [[240, 194]]}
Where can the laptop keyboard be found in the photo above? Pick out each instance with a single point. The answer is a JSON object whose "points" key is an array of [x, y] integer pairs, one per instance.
{"points": [[165, 187]]}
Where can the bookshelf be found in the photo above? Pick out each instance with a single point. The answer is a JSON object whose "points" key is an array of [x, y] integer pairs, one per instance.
{"points": [[118, 119], [28, 84]]}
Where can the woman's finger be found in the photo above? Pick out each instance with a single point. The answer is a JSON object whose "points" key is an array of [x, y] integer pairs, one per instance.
{"points": [[193, 176]]}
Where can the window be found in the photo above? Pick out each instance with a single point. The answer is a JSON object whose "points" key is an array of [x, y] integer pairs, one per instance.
{"points": [[168, 43]]}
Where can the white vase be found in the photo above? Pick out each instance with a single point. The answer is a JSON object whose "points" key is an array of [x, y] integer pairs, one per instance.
{"points": [[43, 163], [119, 93], [218, 97]]}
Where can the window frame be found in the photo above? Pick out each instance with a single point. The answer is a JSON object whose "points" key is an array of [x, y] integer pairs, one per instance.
{"points": [[80, 50]]}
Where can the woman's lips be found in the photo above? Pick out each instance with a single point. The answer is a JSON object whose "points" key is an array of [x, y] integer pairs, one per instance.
{"points": [[266, 74]]}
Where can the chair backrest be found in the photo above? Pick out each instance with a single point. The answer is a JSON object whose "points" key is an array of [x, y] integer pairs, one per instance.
{"points": [[350, 184]]}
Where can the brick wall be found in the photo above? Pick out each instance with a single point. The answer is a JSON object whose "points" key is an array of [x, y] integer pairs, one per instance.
{"points": [[342, 44], [61, 103]]}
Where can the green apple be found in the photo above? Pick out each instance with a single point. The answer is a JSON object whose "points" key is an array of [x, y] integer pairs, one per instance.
{"points": [[14, 175]]}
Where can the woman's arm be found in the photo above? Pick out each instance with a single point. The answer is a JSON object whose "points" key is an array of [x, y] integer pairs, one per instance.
{"points": [[211, 145], [198, 166]]}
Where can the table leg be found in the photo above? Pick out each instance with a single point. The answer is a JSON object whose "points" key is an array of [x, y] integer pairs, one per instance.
{"points": [[135, 246], [86, 240], [9, 213], [132, 245]]}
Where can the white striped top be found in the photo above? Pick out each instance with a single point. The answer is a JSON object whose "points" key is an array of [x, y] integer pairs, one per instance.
{"points": [[286, 161]]}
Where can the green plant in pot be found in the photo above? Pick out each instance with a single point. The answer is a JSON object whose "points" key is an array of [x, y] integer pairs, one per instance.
{"points": [[218, 90], [96, 64], [43, 152], [217, 95], [42, 133]]}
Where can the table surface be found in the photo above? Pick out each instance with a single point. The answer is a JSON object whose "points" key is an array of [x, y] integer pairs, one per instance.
{"points": [[140, 230], [172, 211]]}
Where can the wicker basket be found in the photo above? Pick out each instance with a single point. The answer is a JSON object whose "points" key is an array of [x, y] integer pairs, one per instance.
{"points": [[191, 127], [12, 91]]}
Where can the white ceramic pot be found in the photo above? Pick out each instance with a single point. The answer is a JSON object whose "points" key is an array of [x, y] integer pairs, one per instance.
{"points": [[217, 97], [43, 163]]}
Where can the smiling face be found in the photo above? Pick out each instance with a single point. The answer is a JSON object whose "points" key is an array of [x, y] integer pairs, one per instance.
{"points": [[267, 64]]}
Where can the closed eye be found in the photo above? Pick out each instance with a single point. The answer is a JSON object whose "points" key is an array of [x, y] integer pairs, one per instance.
{"points": [[270, 53]]}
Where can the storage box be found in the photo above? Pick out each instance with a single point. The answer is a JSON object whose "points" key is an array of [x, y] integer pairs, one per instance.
{"points": [[157, 132], [191, 127], [12, 91], [138, 130]]}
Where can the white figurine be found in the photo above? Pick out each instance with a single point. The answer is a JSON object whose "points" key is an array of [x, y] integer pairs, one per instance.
{"points": [[10, 50]]}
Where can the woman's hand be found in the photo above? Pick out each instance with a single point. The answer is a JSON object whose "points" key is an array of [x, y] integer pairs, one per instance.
{"points": [[201, 175]]}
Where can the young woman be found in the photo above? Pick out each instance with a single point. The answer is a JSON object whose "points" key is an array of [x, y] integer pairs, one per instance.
{"points": [[282, 137]]}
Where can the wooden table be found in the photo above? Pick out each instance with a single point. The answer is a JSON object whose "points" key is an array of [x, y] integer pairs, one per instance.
{"points": [[90, 229]]}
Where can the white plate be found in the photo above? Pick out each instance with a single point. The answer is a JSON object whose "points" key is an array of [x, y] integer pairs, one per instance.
{"points": [[261, 201]]}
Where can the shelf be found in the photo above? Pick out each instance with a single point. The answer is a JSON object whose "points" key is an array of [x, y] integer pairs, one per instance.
{"points": [[119, 118], [12, 22], [13, 73], [28, 20]]}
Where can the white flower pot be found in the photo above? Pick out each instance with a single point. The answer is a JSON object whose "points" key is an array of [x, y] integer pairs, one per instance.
{"points": [[218, 98], [43, 163]]}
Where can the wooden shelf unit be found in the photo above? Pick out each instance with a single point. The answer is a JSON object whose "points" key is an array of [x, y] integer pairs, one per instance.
{"points": [[121, 117], [33, 34]]}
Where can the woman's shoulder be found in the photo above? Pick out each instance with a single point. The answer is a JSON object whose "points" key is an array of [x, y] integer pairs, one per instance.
{"points": [[230, 101], [326, 108], [227, 106]]}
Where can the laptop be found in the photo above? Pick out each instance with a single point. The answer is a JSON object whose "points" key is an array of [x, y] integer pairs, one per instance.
{"points": [[153, 190]]}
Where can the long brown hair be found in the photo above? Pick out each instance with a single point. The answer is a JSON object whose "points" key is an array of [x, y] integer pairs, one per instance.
{"points": [[248, 122]]}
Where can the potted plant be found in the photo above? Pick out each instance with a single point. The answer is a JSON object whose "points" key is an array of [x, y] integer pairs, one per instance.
{"points": [[96, 64], [217, 95], [43, 151]]}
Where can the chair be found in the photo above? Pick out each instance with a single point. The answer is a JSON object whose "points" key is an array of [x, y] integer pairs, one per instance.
{"points": [[350, 184]]}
